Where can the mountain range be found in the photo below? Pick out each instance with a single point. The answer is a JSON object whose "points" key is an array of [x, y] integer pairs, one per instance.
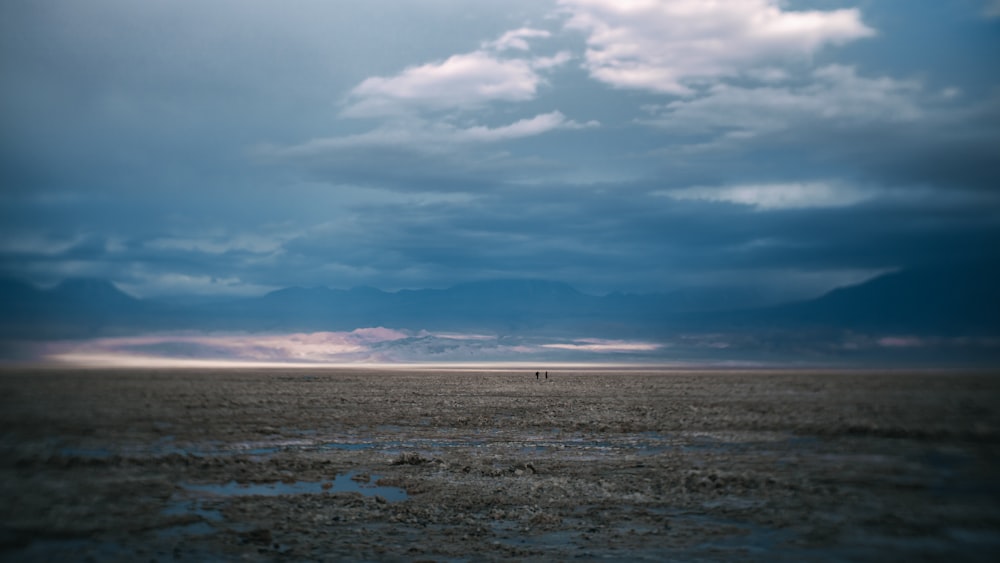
{"points": [[956, 301]]}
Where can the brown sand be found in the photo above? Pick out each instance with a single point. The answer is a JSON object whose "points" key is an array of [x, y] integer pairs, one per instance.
{"points": [[138, 465]]}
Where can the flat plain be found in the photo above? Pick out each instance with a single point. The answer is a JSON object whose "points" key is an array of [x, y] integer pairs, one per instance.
{"points": [[465, 465]]}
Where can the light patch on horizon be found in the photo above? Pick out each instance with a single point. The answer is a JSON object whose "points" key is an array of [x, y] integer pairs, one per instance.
{"points": [[461, 336], [362, 346], [317, 347], [113, 360], [914, 342], [605, 346], [772, 197], [901, 342]]}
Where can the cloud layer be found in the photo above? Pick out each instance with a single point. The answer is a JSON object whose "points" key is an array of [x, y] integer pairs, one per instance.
{"points": [[230, 148], [675, 47], [465, 81]]}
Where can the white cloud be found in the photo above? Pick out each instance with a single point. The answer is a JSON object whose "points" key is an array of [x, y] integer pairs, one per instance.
{"points": [[424, 155], [31, 243], [673, 46], [501, 70], [834, 92], [222, 244], [537, 125], [992, 9], [559, 59], [516, 39], [431, 136], [950, 93], [436, 109], [150, 284], [465, 81], [765, 197]]}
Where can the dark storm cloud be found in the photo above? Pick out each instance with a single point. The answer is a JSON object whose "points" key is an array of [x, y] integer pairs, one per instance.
{"points": [[620, 231], [236, 147], [956, 150]]}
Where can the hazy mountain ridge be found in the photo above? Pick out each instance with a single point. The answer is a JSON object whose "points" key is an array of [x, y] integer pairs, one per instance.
{"points": [[922, 301]]}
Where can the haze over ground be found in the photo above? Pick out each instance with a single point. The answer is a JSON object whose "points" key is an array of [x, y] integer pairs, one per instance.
{"points": [[746, 153]]}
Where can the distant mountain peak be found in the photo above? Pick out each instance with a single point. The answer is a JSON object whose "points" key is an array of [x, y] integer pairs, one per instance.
{"points": [[517, 287], [299, 291], [366, 290], [953, 299]]}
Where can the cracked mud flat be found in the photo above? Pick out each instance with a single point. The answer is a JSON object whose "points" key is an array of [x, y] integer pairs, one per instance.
{"points": [[436, 465]]}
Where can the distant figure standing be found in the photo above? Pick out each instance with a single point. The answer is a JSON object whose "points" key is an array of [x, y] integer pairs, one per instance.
{"points": [[546, 375], [536, 375]]}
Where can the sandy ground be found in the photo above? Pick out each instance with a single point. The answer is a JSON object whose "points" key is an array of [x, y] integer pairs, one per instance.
{"points": [[437, 465]]}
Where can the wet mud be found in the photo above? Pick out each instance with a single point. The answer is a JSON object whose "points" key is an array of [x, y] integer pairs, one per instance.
{"points": [[448, 465]]}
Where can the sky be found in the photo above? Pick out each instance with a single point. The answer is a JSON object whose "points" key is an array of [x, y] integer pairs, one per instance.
{"points": [[229, 148]]}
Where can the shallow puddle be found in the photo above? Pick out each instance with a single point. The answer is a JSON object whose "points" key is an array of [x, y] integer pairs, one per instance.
{"points": [[186, 530], [181, 508], [343, 483]]}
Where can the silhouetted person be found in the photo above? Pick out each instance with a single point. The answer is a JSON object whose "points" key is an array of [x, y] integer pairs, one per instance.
{"points": [[536, 375], [546, 375]]}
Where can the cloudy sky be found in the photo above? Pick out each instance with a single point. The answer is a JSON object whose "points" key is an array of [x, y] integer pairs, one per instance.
{"points": [[233, 147]]}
